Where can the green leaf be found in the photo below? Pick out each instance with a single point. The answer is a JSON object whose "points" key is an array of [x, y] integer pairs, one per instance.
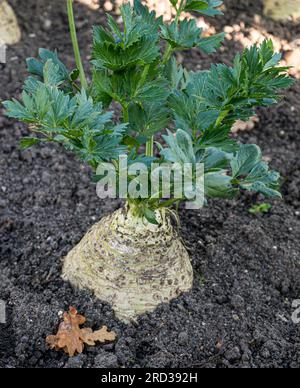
{"points": [[208, 118], [190, 113], [213, 158], [250, 173], [210, 44], [262, 180], [137, 44], [51, 74], [28, 142], [45, 55], [148, 119], [218, 137], [31, 85], [218, 185], [74, 75], [35, 67], [247, 157], [78, 122], [113, 57], [150, 216], [89, 114], [212, 9], [196, 5], [14, 109], [102, 86], [180, 149], [236, 91], [61, 108], [263, 208], [155, 90], [262, 188], [118, 131], [147, 19], [101, 149], [176, 75], [182, 36], [261, 172], [204, 7], [49, 65]]}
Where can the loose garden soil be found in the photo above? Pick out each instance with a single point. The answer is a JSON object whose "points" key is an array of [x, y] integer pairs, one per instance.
{"points": [[247, 267]]}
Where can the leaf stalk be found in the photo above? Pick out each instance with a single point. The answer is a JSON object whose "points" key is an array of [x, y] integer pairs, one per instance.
{"points": [[73, 33]]}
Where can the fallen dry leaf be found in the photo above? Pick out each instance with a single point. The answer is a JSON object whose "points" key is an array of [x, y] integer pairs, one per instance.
{"points": [[90, 337], [71, 338]]}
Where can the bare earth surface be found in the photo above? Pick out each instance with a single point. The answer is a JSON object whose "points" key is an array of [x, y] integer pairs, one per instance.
{"points": [[247, 267]]}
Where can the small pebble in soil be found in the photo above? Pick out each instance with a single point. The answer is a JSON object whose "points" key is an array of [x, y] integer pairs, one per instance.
{"points": [[233, 354], [183, 338], [47, 24]]}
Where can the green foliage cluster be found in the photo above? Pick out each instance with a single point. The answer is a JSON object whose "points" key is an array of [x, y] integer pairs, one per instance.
{"points": [[263, 208], [135, 67]]}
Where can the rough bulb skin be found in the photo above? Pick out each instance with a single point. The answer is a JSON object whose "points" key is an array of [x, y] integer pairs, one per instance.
{"points": [[282, 9], [131, 264], [10, 32]]}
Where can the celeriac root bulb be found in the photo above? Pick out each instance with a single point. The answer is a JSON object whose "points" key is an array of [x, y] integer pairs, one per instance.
{"points": [[282, 9], [131, 264], [10, 32]]}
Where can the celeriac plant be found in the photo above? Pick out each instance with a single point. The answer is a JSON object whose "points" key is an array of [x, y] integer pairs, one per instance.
{"points": [[134, 258]]}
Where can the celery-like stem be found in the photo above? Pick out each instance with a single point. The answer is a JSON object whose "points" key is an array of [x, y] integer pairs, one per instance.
{"points": [[150, 147], [73, 33], [125, 114], [168, 54], [150, 142], [169, 50]]}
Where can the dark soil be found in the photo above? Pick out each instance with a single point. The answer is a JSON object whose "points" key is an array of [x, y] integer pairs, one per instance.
{"points": [[247, 267]]}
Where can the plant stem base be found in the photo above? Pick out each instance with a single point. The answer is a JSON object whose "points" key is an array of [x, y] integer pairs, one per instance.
{"points": [[131, 264]]}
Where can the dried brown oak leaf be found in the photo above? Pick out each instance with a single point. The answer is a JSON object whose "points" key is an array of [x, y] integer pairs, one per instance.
{"points": [[71, 338], [90, 337]]}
